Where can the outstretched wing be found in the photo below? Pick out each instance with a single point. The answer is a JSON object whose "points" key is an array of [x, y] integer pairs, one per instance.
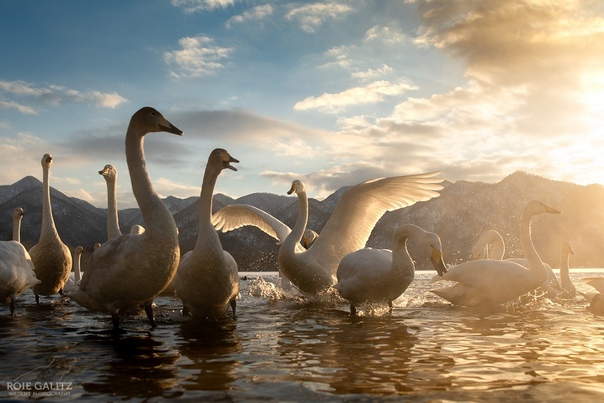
{"points": [[236, 216], [361, 207]]}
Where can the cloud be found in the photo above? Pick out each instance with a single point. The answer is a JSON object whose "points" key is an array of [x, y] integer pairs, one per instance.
{"points": [[372, 93], [54, 95], [385, 34], [194, 6], [256, 13], [312, 16], [197, 57]]}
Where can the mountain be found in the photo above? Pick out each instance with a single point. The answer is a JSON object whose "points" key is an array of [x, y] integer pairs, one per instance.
{"points": [[462, 212]]}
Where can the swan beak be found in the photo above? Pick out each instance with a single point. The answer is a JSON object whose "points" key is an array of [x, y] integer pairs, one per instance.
{"points": [[170, 128], [291, 190], [228, 164], [437, 262], [551, 210], [571, 251]]}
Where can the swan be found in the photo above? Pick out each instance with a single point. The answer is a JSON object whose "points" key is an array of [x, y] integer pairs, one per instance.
{"points": [[490, 245], [565, 282], [132, 269], [309, 238], [596, 300], [51, 257], [137, 229], [207, 280], [73, 282], [113, 227], [16, 268], [494, 282], [314, 270], [382, 274]]}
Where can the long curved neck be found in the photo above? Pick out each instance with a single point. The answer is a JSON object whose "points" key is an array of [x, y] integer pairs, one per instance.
{"points": [[497, 247], [17, 229], [531, 255], [77, 274], [402, 264], [48, 223], [205, 199], [113, 227], [296, 235], [155, 213], [564, 263]]}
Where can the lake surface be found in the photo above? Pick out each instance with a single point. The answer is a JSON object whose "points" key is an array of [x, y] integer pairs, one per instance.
{"points": [[283, 347]]}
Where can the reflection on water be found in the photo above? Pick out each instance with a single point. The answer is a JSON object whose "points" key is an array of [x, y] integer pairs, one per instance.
{"points": [[283, 347]]}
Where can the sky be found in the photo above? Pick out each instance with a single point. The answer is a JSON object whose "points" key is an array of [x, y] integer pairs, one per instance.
{"points": [[330, 92]]}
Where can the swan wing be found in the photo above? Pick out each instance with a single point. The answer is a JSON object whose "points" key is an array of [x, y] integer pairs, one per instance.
{"points": [[236, 216], [597, 283], [362, 206]]}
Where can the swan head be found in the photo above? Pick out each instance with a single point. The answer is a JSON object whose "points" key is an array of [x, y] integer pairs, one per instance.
{"points": [[309, 238], [150, 120], [46, 161], [222, 156], [18, 213], [431, 246], [567, 247], [78, 250], [108, 172], [297, 186], [96, 245], [535, 207]]}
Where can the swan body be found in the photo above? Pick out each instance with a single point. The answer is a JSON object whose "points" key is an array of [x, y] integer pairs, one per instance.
{"points": [[207, 280], [16, 268], [314, 270], [596, 300], [131, 270], [51, 257], [382, 274], [73, 282], [494, 282], [490, 245], [109, 173], [565, 282]]}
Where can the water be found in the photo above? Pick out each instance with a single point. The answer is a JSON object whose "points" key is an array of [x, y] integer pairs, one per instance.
{"points": [[282, 347]]}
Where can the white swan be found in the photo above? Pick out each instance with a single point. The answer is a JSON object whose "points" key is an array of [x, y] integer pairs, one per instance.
{"points": [[132, 269], [596, 300], [16, 268], [73, 282], [490, 245], [207, 280], [308, 238], [567, 285], [137, 229], [314, 270], [382, 274], [51, 257], [494, 282], [113, 227]]}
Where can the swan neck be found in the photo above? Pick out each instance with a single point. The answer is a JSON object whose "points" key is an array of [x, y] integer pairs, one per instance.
{"points": [[113, 227], [296, 235], [48, 223], [402, 264], [564, 264], [17, 229], [528, 248], [206, 196], [77, 274], [155, 213]]}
